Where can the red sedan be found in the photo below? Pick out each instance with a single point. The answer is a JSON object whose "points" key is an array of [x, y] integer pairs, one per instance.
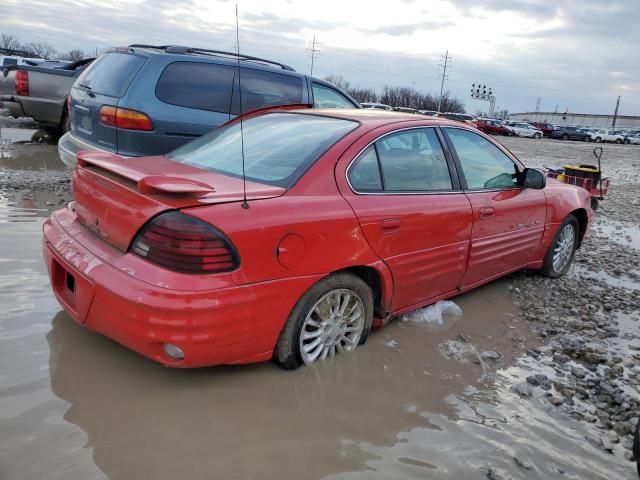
{"points": [[492, 127], [351, 218]]}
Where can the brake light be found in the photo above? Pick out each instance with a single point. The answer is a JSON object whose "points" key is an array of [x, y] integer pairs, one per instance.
{"points": [[22, 83], [124, 118], [69, 103], [185, 244]]}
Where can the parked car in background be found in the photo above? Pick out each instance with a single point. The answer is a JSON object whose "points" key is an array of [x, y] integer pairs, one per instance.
{"points": [[544, 127], [606, 135], [428, 113], [41, 92], [377, 106], [459, 117], [571, 133], [492, 127], [149, 100], [405, 110], [9, 60], [523, 129], [180, 260], [633, 139]]}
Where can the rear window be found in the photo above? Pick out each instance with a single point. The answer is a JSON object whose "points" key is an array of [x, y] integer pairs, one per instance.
{"points": [[111, 73], [278, 147], [9, 61], [204, 86]]}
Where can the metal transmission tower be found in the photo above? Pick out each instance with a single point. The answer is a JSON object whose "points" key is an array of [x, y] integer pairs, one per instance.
{"points": [[447, 64], [538, 104], [312, 52], [482, 92]]}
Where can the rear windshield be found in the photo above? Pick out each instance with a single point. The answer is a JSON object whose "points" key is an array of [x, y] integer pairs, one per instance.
{"points": [[111, 73], [278, 147]]}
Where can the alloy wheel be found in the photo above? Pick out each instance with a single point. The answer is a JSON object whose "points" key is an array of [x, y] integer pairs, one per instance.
{"points": [[564, 248], [333, 325]]}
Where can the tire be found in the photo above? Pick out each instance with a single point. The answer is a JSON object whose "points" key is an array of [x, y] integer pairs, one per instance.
{"points": [[65, 125], [537, 136], [288, 352], [549, 267], [565, 137], [627, 141], [598, 140], [618, 141], [587, 139]]}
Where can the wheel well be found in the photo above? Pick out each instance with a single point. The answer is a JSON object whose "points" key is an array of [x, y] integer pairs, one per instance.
{"points": [[583, 221], [371, 277]]}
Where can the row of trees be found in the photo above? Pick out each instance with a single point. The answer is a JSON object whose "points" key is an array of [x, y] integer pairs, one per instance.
{"points": [[38, 49], [399, 96]]}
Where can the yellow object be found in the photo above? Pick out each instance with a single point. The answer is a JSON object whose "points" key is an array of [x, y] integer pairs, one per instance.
{"points": [[560, 178], [582, 169]]}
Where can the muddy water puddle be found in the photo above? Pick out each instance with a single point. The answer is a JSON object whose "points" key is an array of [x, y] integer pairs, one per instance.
{"points": [[74, 405]]}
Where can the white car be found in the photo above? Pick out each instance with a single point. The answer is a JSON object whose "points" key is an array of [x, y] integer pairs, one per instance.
{"points": [[633, 139], [525, 130], [604, 135]]}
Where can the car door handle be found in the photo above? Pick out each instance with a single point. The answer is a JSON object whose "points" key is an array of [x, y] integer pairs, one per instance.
{"points": [[486, 212], [390, 226]]}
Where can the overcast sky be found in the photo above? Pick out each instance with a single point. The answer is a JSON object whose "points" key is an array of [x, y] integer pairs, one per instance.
{"points": [[574, 54]]}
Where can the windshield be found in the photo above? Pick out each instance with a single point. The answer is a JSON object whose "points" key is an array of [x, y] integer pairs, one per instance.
{"points": [[278, 147]]}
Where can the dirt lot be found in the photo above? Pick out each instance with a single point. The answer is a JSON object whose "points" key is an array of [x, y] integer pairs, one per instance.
{"points": [[536, 379]]}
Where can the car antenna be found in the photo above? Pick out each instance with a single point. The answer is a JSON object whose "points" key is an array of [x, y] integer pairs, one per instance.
{"points": [[244, 204]]}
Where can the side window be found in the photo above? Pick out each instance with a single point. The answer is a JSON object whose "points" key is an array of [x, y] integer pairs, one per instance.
{"points": [[409, 161], [413, 160], [326, 97], [262, 88], [364, 174], [484, 165], [203, 86]]}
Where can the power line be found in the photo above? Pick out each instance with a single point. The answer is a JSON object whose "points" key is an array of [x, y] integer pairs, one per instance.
{"points": [[312, 48], [444, 75]]}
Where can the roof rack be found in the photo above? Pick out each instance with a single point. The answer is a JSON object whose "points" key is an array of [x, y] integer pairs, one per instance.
{"points": [[181, 50]]}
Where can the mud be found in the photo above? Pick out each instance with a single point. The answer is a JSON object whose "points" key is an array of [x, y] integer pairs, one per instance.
{"points": [[506, 390]]}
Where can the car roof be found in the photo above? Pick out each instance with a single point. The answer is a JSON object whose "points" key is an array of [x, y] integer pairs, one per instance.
{"points": [[371, 118]]}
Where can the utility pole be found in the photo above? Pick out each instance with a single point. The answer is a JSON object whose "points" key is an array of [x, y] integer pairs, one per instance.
{"points": [[615, 114], [444, 75], [312, 48], [538, 104]]}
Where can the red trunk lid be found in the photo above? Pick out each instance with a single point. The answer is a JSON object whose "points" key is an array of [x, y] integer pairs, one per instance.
{"points": [[115, 196]]}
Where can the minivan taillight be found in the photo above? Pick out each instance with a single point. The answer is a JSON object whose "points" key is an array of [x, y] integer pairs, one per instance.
{"points": [[124, 118], [22, 83], [185, 244]]}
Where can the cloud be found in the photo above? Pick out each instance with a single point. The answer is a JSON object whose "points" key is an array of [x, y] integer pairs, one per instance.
{"points": [[579, 54]]}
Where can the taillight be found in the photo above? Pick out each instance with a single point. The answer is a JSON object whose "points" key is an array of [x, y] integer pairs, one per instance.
{"points": [[185, 244], [22, 83], [124, 118], [69, 103]]}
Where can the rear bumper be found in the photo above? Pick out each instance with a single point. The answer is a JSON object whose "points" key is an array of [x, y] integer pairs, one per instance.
{"points": [[14, 108], [69, 146], [228, 325]]}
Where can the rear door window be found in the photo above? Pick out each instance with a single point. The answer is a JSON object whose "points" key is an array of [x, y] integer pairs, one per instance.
{"points": [[111, 73], [407, 161], [204, 86], [261, 88], [9, 61]]}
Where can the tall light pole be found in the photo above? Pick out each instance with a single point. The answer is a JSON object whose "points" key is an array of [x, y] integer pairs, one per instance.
{"points": [[444, 75], [615, 114], [482, 92]]}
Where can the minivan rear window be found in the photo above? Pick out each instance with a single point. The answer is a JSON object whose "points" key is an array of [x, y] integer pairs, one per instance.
{"points": [[111, 73], [278, 147]]}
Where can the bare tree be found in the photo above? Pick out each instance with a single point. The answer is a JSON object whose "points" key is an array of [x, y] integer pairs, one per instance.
{"points": [[9, 42], [339, 81], [40, 50], [73, 55]]}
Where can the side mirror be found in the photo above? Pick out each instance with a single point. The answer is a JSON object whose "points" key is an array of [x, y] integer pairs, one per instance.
{"points": [[534, 179]]}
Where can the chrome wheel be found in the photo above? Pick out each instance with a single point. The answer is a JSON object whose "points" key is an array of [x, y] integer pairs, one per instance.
{"points": [[564, 248], [333, 325]]}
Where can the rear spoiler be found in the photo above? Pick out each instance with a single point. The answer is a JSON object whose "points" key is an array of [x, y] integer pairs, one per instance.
{"points": [[271, 108], [117, 164]]}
